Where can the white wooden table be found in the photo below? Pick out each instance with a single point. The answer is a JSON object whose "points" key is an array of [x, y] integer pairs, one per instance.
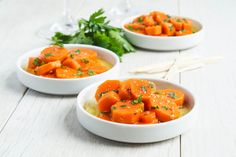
{"points": [[39, 125]]}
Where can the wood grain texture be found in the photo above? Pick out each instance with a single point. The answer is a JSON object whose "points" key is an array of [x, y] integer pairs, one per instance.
{"points": [[215, 131], [45, 125]]}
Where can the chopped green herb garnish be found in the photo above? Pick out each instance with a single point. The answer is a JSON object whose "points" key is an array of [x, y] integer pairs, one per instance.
{"points": [[77, 51], [36, 61], [79, 73], [113, 108], [102, 93], [123, 106], [151, 85], [140, 19], [183, 30], [172, 95], [130, 28], [48, 54], [84, 60], [154, 107], [42, 63], [143, 88], [91, 72], [178, 20], [171, 27], [137, 101], [72, 56], [165, 107]]}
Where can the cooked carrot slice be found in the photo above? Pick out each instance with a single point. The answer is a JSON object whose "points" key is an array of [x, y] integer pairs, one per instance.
{"points": [[164, 107], [153, 30], [135, 26], [126, 112], [177, 22], [107, 100], [46, 68], [69, 62], [159, 17], [109, 85], [105, 117], [183, 32], [125, 90], [148, 21], [174, 94], [66, 72], [168, 29], [83, 53], [142, 88], [148, 117], [54, 53], [33, 62]]}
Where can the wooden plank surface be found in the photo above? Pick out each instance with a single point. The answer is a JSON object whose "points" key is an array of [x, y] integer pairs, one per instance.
{"points": [[45, 125]]}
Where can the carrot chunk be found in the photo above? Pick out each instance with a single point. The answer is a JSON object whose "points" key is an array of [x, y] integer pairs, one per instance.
{"points": [[107, 100], [126, 112], [54, 53], [66, 72], [153, 30], [125, 90], [46, 68], [174, 94], [148, 117], [109, 85], [168, 29], [69, 62], [164, 107], [142, 88]]}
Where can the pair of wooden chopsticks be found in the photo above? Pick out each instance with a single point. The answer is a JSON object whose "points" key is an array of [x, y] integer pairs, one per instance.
{"points": [[179, 64]]}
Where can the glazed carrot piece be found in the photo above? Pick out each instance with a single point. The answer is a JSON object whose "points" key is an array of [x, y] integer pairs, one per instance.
{"points": [[126, 112], [159, 17], [187, 25], [50, 75], [54, 53], [33, 62], [104, 116], [109, 85], [107, 100], [183, 32], [148, 21], [80, 53], [66, 72], [142, 88], [177, 22], [174, 94], [125, 90], [148, 117], [98, 69], [134, 26], [69, 62], [46, 68], [164, 107], [168, 29], [153, 30]]}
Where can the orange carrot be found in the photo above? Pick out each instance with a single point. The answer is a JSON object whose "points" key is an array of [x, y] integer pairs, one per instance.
{"points": [[125, 90], [176, 95], [126, 112], [148, 117], [153, 30], [107, 100], [109, 85], [164, 107], [71, 63], [66, 72], [46, 68], [142, 88], [54, 53], [148, 21], [168, 29]]}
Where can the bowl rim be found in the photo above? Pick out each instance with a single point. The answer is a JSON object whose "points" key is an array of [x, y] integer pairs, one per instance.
{"points": [[129, 19], [103, 50], [191, 112]]}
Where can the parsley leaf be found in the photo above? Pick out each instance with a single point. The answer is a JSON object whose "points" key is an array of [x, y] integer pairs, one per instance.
{"points": [[36, 61]]}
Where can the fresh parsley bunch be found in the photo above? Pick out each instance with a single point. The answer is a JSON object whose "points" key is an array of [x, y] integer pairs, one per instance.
{"points": [[96, 31]]}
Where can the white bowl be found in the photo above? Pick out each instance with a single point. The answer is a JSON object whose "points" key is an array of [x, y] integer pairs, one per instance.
{"points": [[65, 86], [162, 43], [133, 133]]}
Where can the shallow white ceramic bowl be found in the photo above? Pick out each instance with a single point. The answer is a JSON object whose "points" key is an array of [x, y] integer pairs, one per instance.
{"points": [[132, 133], [65, 86], [165, 43]]}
